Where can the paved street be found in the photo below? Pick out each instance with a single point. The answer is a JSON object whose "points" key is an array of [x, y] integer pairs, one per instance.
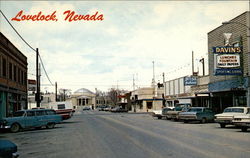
{"points": [[94, 134]]}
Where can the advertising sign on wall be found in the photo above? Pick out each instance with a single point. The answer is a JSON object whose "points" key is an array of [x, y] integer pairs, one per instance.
{"points": [[190, 81], [227, 60]]}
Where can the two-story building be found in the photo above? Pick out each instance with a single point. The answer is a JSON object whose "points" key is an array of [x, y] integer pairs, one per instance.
{"points": [[13, 78], [229, 70]]}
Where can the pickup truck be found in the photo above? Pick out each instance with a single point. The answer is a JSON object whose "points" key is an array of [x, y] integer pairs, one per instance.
{"points": [[228, 115]]}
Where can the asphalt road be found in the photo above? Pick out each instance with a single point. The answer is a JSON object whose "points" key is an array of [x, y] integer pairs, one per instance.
{"points": [[94, 134]]}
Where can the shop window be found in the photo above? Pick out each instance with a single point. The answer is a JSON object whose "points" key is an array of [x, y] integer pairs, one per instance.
{"points": [[149, 105]]}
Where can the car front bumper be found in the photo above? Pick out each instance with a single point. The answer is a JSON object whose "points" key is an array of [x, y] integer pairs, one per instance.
{"points": [[245, 124], [223, 121], [4, 127]]}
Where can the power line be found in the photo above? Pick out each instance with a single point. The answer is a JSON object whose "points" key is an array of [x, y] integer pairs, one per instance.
{"points": [[27, 45], [16, 31], [45, 70]]}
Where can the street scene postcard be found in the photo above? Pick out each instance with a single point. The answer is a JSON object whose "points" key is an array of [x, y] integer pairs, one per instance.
{"points": [[125, 79]]}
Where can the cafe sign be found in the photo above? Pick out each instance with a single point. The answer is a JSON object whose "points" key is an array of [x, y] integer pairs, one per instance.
{"points": [[227, 60]]}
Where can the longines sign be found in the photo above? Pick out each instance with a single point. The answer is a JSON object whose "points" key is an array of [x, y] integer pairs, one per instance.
{"points": [[227, 60]]}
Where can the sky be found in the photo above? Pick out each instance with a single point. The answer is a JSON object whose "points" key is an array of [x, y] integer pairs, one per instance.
{"points": [[109, 53]]}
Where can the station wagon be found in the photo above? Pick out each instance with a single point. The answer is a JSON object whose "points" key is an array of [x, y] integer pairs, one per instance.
{"points": [[35, 118]]}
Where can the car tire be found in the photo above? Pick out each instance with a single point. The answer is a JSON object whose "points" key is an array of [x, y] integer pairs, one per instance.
{"points": [[50, 125], [203, 120], [159, 117], [243, 129], [222, 125], [15, 127]]}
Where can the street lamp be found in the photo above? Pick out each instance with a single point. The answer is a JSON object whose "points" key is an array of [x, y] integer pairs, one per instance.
{"points": [[248, 48]]}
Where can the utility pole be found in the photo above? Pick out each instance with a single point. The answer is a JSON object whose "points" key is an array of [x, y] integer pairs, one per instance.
{"points": [[163, 75], [37, 80], [56, 91], [133, 82], [192, 62]]}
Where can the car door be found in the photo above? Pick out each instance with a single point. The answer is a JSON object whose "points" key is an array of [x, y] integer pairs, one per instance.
{"points": [[41, 118], [30, 119]]}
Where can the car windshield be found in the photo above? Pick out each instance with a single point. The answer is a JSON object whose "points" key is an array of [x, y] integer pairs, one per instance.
{"points": [[237, 110], [18, 114], [195, 110]]}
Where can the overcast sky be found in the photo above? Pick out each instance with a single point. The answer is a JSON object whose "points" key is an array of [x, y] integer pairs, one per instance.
{"points": [[105, 54]]}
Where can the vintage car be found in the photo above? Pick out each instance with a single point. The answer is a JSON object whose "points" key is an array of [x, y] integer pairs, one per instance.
{"points": [[118, 109], [65, 113], [34, 118], [174, 114], [157, 113], [161, 113], [228, 114], [201, 114], [242, 121], [8, 149]]}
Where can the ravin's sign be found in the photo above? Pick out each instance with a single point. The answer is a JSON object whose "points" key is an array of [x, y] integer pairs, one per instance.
{"points": [[227, 60], [190, 81]]}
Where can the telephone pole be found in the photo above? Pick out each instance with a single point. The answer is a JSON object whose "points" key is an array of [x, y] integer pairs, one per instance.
{"points": [[37, 97]]}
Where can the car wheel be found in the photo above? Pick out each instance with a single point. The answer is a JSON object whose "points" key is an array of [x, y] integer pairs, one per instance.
{"points": [[243, 129], [203, 120], [50, 125], [159, 117], [15, 128], [222, 125]]}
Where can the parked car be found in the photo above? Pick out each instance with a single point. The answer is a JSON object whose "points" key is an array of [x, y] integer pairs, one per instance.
{"points": [[102, 107], [228, 114], [34, 118], [201, 114], [174, 114], [65, 113], [118, 109], [242, 121], [161, 113], [165, 110], [157, 113], [8, 149], [108, 108], [86, 108]]}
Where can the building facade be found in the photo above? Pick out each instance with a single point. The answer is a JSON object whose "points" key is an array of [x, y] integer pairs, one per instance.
{"points": [[147, 99], [83, 97], [227, 89], [13, 78]]}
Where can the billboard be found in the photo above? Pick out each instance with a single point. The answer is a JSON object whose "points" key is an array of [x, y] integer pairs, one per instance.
{"points": [[227, 60]]}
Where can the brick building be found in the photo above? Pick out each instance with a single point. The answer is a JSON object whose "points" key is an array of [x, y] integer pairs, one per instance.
{"points": [[229, 90], [13, 78]]}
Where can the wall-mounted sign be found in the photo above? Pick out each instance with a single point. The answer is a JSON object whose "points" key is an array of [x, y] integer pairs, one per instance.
{"points": [[227, 60], [190, 81]]}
